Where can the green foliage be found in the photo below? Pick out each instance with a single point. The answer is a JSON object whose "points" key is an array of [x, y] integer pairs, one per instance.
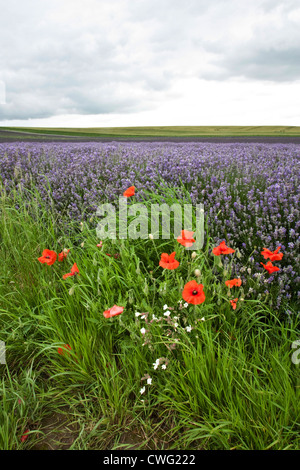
{"points": [[229, 381]]}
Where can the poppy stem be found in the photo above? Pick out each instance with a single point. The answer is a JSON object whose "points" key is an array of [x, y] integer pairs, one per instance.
{"points": [[158, 256]]}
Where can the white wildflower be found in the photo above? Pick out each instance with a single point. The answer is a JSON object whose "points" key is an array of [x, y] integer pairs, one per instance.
{"points": [[143, 389], [149, 381], [165, 307], [189, 328], [143, 331], [164, 366], [167, 313], [185, 305]]}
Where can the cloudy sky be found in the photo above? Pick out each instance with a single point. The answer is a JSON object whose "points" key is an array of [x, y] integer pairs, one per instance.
{"points": [[78, 63]]}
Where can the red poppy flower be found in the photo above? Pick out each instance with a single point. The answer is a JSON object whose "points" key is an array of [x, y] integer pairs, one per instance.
{"points": [[116, 255], [270, 268], [233, 303], [25, 435], [168, 261], [222, 249], [129, 192], [113, 311], [233, 282], [48, 257], [64, 349], [186, 238], [273, 255], [63, 254], [193, 293], [74, 271]]}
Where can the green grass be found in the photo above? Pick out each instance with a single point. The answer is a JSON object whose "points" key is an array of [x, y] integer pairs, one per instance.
{"points": [[164, 131], [229, 383]]}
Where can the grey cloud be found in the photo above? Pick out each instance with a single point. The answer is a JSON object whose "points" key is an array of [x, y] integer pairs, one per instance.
{"points": [[70, 69], [271, 64], [121, 56]]}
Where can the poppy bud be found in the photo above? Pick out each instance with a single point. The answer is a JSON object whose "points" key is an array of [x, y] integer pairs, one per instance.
{"points": [[197, 272], [194, 254], [71, 291]]}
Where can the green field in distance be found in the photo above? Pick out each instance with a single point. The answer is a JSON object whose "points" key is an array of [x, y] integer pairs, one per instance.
{"points": [[163, 131]]}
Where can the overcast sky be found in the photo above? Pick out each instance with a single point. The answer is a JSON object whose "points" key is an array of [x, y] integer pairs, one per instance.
{"points": [[78, 63]]}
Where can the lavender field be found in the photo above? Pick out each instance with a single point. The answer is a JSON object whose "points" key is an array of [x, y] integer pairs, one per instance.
{"points": [[250, 192], [140, 343], [150, 228]]}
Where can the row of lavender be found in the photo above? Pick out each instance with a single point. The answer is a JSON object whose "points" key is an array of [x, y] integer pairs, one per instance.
{"points": [[250, 192]]}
